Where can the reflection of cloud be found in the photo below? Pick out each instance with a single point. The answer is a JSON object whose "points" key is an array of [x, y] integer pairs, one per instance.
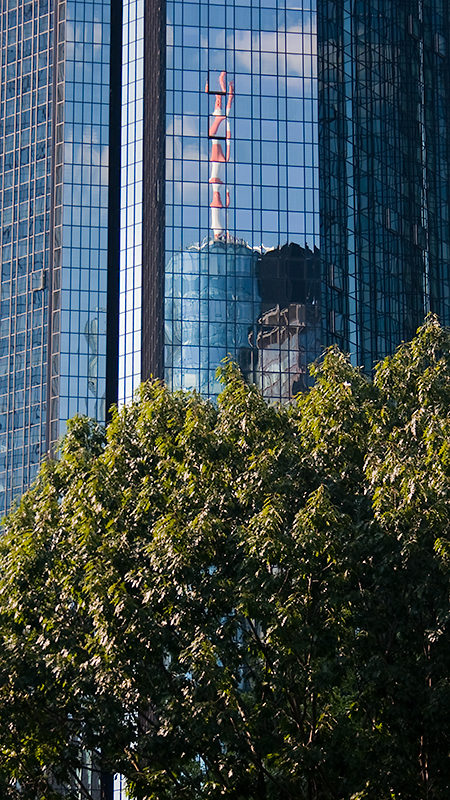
{"points": [[97, 33], [189, 151], [89, 151], [297, 49], [181, 127], [87, 155]]}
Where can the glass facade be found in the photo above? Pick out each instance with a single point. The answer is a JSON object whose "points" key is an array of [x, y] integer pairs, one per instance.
{"points": [[316, 139], [283, 185], [131, 199], [55, 176], [80, 267], [211, 290], [240, 203], [384, 154], [26, 174]]}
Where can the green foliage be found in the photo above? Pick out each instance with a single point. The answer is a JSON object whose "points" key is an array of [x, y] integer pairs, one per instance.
{"points": [[245, 600]]}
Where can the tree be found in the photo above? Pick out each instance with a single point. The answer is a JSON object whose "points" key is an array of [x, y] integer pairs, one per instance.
{"points": [[243, 600]]}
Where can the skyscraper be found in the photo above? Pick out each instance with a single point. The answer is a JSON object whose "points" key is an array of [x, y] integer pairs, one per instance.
{"points": [[272, 173], [230, 165], [384, 104], [335, 151], [59, 139]]}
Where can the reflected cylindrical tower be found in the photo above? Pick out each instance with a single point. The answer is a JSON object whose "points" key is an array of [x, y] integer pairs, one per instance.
{"points": [[211, 291]]}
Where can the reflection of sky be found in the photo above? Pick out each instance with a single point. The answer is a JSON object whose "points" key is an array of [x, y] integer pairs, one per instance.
{"points": [[85, 210], [288, 51], [131, 198], [292, 53], [273, 170], [272, 178]]}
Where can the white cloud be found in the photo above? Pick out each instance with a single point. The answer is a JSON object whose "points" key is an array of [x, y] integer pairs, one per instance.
{"points": [[296, 47]]}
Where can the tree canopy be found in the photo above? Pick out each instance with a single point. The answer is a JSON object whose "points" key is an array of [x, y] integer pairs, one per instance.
{"points": [[243, 600]]}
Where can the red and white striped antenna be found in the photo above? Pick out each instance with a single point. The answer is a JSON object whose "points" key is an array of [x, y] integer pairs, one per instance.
{"points": [[220, 131]]}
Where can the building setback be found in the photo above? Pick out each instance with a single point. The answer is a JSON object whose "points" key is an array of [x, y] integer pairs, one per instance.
{"points": [[267, 176]]}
